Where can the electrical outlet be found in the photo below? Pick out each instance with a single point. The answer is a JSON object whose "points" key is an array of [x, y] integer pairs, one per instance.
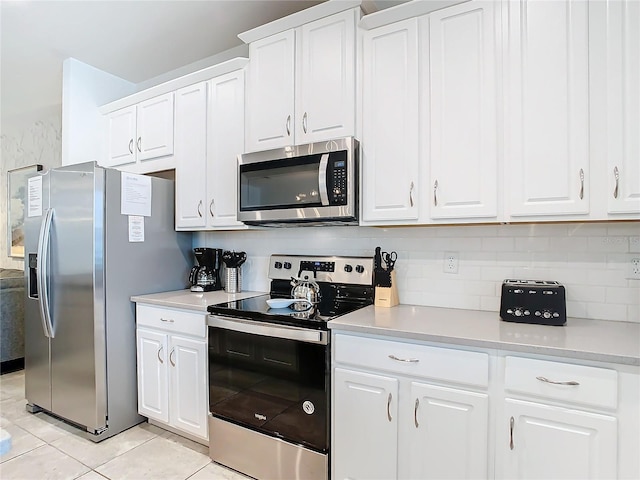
{"points": [[634, 269], [450, 262]]}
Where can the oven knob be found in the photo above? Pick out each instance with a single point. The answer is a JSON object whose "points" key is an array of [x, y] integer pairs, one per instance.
{"points": [[359, 268], [348, 268], [278, 265], [336, 191], [287, 265], [518, 312], [546, 314]]}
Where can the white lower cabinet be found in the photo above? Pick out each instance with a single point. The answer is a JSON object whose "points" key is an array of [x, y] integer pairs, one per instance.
{"points": [[448, 435], [545, 441], [172, 368], [559, 421], [365, 425], [391, 421]]}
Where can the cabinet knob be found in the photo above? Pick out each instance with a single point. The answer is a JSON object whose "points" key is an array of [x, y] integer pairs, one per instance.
{"points": [[511, 424], [415, 413], [159, 351], [211, 208], [304, 122], [199, 211], [616, 175], [581, 184], [288, 125], [546, 380], [131, 146], [411, 194], [139, 144], [389, 407]]}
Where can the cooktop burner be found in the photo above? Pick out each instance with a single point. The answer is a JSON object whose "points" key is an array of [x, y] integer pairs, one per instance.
{"points": [[346, 284]]}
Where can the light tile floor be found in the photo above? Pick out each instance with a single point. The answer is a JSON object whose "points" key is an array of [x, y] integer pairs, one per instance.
{"points": [[44, 447]]}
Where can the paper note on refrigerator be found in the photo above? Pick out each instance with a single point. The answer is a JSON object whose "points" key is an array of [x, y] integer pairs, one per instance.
{"points": [[136, 195], [34, 197], [136, 228]]}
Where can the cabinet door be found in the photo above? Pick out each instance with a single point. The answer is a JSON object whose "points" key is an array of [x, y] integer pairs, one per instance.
{"points": [[542, 441], [226, 140], [547, 108], [623, 106], [155, 127], [448, 433], [189, 385], [365, 435], [462, 46], [270, 122], [153, 388], [122, 134], [390, 143], [325, 78], [191, 156]]}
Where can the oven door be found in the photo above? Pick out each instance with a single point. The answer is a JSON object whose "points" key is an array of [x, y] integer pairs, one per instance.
{"points": [[270, 378]]}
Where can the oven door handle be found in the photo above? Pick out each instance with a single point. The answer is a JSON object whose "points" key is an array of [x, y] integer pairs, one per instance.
{"points": [[269, 329]]}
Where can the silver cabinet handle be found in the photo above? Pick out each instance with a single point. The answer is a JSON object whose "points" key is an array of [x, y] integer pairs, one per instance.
{"points": [[511, 424], [415, 412], [169, 320], [199, 212], [139, 144], [170, 354], [304, 122], [389, 408], [408, 360], [160, 350], [211, 208], [616, 174], [546, 380], [581, 184], [435, 193], [131, 146], [411, 194], [288, 124]]}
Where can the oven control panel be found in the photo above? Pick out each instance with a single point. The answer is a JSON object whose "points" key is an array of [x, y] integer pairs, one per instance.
{"points": [[354, 270]]}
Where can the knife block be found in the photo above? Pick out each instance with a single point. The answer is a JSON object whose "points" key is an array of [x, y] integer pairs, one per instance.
{"points": [[388, 296]]}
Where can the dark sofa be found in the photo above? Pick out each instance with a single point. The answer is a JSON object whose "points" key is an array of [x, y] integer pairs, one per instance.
{"points": [[11, 319]]}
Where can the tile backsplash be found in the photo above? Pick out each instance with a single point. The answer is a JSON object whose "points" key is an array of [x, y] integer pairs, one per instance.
{"points": [[590, 259]]}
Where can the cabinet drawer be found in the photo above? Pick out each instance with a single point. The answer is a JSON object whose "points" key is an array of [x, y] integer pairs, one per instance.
{"points": [[176, 321], [574, 383], [449, 365]]}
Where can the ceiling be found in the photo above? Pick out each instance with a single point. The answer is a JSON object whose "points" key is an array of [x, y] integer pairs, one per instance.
{"points": [[134, 40]]}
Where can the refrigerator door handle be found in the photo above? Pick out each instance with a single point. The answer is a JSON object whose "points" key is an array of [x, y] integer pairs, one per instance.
{"points": [[41, 272]]}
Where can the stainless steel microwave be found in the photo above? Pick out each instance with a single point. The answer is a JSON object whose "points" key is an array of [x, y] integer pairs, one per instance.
{"points": [[313, 183]]}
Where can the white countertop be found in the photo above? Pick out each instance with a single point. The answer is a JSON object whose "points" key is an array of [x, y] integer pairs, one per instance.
{"points": [[188, 300], [616, 342]]}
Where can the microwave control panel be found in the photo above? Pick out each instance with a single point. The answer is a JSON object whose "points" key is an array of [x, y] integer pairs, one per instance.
{"points": [[337, 178]]}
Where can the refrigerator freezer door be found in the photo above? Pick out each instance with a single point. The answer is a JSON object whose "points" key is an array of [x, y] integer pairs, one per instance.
{"points": [[37, 380], [78, 365]]}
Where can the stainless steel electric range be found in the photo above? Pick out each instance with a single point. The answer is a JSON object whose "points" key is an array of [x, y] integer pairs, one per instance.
{"points": [[269, 368]]}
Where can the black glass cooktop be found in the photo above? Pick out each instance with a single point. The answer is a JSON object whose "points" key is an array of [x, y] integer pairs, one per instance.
{"points": [[256, 308]]}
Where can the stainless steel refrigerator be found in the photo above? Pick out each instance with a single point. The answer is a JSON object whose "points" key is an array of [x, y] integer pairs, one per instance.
{"points": [[83, 261]]}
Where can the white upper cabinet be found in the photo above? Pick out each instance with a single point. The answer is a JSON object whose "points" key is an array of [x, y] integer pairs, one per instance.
{"points": [[270, 84], [325, 80], [140, 133], [301, 84], [225, 141], [546, 108], [623, 107], [209, 137], [390, 122], [460, 105], [191, 151]]}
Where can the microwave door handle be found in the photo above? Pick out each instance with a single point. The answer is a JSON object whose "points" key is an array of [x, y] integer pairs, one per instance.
{"points": [[322, 179]]}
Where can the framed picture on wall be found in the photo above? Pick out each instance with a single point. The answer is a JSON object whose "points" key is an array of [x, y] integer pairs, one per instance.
{"points": [[16, 207]]}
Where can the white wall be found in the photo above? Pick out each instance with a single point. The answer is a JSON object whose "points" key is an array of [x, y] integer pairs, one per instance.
{"points": [[28, 140], [589, 259]]}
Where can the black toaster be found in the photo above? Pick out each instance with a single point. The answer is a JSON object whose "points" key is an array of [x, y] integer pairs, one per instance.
{"points": [[533, 301]]}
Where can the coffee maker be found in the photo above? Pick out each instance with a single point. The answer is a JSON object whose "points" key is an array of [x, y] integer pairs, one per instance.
{"points": [[205, 276]]}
